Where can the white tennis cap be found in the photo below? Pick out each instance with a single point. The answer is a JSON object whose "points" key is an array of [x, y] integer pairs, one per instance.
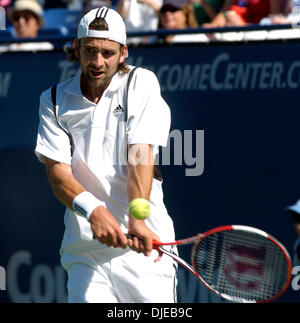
{"points": [[116, 26]]}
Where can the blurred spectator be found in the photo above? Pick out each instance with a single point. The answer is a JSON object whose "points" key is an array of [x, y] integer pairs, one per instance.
{"points": [[244, 12], [294, 211], [26, 18], [291, 4], [178, 14], [206, 10], [139, 15], [88, 5], [290, 15], [51, 4], [5, 3]]}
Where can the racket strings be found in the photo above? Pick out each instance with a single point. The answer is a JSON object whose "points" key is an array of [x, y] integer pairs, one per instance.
{"points": [[241, 265]]}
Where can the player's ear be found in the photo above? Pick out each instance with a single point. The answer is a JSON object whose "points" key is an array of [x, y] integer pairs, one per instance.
{"points": [[76, 47], [123, 53]]}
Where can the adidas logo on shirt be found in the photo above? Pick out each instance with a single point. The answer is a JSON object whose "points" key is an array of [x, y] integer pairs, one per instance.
{"points": [[118, 109]]}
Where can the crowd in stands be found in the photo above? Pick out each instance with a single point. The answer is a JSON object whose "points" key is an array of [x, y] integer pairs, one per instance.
{"points": [[31, 18]]}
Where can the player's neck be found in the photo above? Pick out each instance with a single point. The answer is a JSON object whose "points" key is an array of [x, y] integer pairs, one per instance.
{"points": [[93, 96], [92, 93]]}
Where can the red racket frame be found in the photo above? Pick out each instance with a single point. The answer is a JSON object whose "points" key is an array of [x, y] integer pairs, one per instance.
{"points": [[196, 240]]}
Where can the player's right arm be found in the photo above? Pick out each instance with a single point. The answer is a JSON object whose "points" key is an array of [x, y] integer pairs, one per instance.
{"points": [[65, 187], [53, 149]]}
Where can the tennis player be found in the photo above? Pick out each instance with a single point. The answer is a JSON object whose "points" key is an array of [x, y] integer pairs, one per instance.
{"points": [[89, 124]]}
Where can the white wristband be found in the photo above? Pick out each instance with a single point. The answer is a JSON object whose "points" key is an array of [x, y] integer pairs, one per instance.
{"points": [[85, 203]]}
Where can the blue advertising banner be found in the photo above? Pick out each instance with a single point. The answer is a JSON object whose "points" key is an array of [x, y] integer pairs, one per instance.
{"points": [[238, 106]]}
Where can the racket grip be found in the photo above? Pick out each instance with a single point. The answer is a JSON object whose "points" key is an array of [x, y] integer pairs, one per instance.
{"points": [[154, 242]]}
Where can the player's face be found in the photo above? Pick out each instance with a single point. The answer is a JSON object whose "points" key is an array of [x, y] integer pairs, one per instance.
{"points": [[99, 60]]}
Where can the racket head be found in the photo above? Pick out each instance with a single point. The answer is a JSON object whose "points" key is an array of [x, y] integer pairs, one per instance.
{"points": [[242, 264]]}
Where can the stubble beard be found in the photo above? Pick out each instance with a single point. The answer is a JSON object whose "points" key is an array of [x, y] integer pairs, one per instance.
{"points": [[99, 83]]}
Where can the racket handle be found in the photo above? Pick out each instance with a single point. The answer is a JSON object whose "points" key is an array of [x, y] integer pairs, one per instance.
{"points": [[154, 242]]}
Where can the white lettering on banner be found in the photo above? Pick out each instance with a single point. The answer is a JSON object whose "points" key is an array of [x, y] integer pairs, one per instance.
{"points": [[5, 79], [296, 280], [45, 285], [204, 77], [214, 84], [230, 76], [242, 76], [226, 75], [174, 77], [190, 77], [220, 74], [2, 279], [292, 79]]}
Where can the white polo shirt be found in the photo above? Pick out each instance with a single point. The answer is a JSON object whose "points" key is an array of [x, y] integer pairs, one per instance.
{"points": [[100, 135]]}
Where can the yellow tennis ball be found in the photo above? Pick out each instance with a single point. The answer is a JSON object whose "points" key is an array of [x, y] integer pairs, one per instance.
{"points": [[139, 208]]}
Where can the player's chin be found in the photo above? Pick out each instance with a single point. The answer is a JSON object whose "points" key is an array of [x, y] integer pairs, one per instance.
{"points": [[96, 82]]}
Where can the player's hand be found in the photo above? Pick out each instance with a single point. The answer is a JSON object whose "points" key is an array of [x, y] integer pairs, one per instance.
{"points": [[142, 237], [106, 229]]}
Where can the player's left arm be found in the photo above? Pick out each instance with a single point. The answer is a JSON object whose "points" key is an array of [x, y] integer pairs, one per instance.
{"points": [[140, 175], [145, 132]]}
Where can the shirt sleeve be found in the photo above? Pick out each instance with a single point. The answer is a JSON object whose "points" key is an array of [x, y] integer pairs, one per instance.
{"points": [[52, 141], [149, 116]]}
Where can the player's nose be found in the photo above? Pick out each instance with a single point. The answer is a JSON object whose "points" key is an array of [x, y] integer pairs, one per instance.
{"points": [[99, 60]]}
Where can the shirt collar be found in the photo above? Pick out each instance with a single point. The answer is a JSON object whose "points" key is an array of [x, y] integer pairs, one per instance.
{"points": [[74, 86], [116, 82]]}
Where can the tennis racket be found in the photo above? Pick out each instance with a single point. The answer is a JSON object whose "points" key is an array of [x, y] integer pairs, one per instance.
{"points": [[239, 263]]}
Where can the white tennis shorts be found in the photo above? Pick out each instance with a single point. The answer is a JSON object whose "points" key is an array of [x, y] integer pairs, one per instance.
{"points": [[125, 277]]}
